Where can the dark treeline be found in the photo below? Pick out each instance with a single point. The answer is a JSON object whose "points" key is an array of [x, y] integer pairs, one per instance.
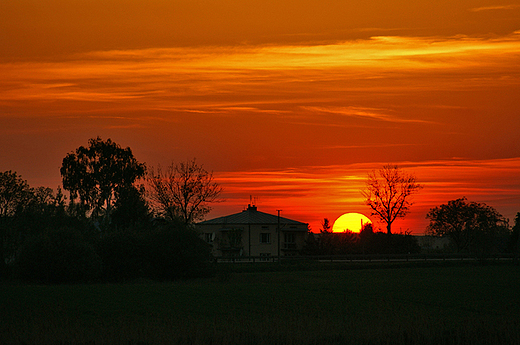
{"points": [[48, 240], [469, 228], [111, 228], [365, 242], [106, 230]]}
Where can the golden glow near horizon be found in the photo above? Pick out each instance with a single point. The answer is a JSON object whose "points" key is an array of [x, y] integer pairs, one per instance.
{"points": [[294, 101], [312, 193]]}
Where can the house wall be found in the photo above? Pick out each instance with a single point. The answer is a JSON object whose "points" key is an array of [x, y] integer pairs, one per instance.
{"points": [[256, 239]]}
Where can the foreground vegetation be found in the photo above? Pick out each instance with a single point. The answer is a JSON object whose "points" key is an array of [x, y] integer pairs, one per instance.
{"points": [[421, 305]]}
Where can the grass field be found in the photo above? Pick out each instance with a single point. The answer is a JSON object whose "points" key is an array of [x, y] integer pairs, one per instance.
{"points": [[428, 305]]}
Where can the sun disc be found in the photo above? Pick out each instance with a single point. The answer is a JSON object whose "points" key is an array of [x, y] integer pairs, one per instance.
{"points": [[350, 221]]}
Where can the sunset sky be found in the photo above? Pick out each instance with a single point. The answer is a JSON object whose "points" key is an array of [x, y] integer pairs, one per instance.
{"points": [[292, 102]]}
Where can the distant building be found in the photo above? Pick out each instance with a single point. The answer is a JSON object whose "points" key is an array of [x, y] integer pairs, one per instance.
{"points": [[254, 233], [431, 244]]}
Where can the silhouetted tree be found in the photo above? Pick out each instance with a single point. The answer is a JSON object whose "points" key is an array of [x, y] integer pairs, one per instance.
{"points": [[98, 173], [325, 239], [184, 191], [131, 208], [14, 193], [37, 212], [471, 226], [388, 193], [325, 226]]}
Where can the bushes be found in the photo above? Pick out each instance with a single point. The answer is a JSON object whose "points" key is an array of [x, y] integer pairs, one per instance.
{"points": [[173, 253], [65, 256], [366, 242], [122, 255], [382, 243], [166, 253], [61, 256]]}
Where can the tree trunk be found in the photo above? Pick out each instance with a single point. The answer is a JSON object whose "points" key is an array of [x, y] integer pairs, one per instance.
{"points": [[389, 228]]}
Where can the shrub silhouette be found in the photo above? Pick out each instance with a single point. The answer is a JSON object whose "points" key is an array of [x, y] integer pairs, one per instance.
{"points": [[60, 256], [382, 243], [174, 252], [167, 252], [122, 255]]}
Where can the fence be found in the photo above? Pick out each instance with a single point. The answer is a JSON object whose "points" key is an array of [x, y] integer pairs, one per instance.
{"points": [[369, 258]]}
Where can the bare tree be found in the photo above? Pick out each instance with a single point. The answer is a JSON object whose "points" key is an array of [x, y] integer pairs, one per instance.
{"points": [[184, 191], [388, 193]]}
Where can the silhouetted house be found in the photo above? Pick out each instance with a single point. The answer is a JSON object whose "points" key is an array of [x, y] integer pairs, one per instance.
{"points": [[254, 233]]}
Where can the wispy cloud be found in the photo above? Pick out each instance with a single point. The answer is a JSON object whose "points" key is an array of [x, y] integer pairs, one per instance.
{"points": [[362, 112], [162, 74], [498, 7], [367, 146]]}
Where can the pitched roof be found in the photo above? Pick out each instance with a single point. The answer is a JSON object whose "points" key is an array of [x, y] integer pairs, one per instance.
{"points": [[251, 216]]}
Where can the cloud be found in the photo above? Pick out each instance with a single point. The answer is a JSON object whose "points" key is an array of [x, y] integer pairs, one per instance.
{"points": [[362, 112], [492, 8], [156, 76], [368, 146]]}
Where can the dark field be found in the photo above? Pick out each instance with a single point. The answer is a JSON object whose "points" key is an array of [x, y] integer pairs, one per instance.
{"points": [[429, 305]]}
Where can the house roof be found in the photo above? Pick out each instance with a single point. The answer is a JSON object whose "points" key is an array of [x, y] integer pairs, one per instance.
{"points": [[251, 216]]}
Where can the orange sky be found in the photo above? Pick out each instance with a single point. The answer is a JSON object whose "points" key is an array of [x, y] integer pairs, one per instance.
{"points": [[293, 102]]}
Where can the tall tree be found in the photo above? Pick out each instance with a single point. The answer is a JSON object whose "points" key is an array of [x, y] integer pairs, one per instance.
{"points": [[388, 193], [98, 173], [327, 245], [184, 191], [470, 225], [14, 193]]}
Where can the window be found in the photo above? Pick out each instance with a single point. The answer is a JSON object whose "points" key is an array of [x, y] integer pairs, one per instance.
{"points": [[265, 237], [264, 256], [209, 237], [289, 242], [290, 238]]}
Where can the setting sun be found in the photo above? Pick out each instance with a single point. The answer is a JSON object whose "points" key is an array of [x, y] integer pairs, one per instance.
{"points": [[350, 221]]}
